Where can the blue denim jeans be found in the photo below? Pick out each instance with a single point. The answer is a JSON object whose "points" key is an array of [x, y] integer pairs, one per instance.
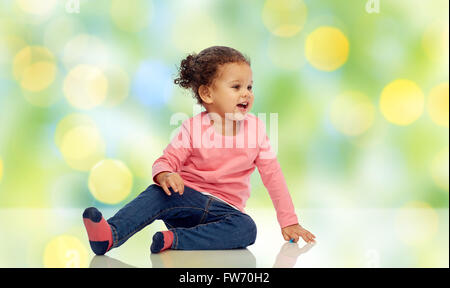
{"points": [[198, 221]]}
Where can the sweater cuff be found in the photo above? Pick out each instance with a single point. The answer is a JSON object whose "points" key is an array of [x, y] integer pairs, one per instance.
{"points": [[158, 168], [288, 221]]}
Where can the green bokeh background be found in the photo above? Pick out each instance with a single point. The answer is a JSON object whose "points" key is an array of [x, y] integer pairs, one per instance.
{"points": [[386, 166]]}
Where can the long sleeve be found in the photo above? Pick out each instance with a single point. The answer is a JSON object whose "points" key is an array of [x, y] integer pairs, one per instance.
{"points": [[175, 153], [273, 179]]}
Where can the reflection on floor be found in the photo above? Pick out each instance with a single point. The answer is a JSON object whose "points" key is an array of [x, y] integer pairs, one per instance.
{"points": [[402, 237], [238, 258]]}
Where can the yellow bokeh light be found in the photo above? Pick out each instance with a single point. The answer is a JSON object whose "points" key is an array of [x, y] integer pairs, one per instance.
{"points": [[69, 122], [438, 104], [82, 147], [65, 251], [439, 169], [284, 18], [416, 223], [110, 181], [34, 68], [38, 76], [327, 48], [402, 102], [131, 15], [352, 113], [85, 87], [37, 7]]}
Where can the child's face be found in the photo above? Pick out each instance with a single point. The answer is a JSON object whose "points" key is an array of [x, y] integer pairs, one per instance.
{"points": [[230, 90]]}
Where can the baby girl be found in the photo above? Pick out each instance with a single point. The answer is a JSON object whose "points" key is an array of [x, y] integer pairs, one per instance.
{"points": [[202, 180]]}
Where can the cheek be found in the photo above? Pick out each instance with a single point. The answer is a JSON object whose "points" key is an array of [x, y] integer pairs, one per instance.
{"points": [[228, 104]]}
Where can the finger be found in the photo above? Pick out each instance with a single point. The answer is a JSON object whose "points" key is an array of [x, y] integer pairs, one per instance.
{"points": [[285, 236], [180, 185], [311, 234], [164, 186], [293, 238], [309, 239], [182, 188], [173, 185]]}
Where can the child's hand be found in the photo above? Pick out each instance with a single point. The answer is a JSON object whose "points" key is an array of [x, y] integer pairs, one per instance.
{"points": [[295, 231], [170, 179]]}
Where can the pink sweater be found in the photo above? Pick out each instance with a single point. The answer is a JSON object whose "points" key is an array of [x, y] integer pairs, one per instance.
{"points": [[221, 165]]}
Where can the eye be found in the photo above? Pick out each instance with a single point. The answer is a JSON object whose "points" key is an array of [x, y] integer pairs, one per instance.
{"points": [[250, 88], [237, 86]]}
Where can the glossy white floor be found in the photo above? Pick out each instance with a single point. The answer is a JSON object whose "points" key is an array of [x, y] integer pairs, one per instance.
{"points": [[345, 238]]}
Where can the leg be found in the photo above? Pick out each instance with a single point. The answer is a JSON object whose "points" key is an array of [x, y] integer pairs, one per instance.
{"points": [[224, 228], [153, 204]]}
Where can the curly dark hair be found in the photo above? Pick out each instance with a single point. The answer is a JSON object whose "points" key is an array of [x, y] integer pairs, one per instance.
{"points": [[200, 69]]}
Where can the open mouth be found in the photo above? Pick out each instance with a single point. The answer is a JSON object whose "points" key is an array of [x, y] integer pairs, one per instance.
{"points": [[243, 105]]}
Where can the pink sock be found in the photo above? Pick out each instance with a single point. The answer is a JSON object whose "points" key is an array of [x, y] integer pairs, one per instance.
{"points": [[98, 230], [168, 239]]}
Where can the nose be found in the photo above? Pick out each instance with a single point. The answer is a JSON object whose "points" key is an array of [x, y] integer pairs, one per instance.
{"points": [[245, 99], [247, 95]]}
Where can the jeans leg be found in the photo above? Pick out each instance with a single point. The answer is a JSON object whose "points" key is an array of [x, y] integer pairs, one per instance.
{"points": [[154, 204], [227, 231]]}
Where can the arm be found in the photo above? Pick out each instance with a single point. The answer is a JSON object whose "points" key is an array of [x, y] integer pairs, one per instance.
{"points": [[273, 179], [174, 155]]}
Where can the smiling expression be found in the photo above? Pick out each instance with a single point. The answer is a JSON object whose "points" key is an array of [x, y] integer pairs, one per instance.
{"points": [[230, 95]]}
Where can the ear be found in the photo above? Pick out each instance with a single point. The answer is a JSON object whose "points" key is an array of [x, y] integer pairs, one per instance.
{"points": [[205, 94]]}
